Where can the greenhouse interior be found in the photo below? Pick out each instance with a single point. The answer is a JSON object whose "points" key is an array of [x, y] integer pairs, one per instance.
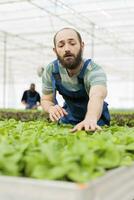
{"points": [[80, 147]]}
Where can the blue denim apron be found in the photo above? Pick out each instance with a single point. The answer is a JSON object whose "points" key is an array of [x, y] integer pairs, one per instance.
{"points": [[76, 101], [31, 101]]}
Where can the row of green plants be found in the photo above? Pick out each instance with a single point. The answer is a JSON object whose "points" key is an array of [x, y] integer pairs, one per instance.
{"points": [[49, 151], [118, 117], [23, 115], [122, 117]]}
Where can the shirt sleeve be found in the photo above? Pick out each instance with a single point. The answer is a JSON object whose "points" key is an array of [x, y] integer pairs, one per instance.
{"points": [[95, 76], [38, 98], [46, 79], [24, 96]]}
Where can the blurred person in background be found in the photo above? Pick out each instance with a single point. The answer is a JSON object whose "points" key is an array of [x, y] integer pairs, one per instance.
{"points": [[31, 98], [81, 82]]}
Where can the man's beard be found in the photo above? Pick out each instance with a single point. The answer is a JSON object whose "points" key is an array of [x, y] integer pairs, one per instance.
{"points": [[70, 61]]}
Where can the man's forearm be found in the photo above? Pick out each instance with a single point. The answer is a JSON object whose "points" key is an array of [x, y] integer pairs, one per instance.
{"points": [[94, 109], [46, 105]]}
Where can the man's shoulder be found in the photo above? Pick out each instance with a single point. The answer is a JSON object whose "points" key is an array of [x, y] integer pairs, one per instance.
{"points": [[26, 91], [92, 66], [25, 94], [37, 93], [49, 67], [52, 64], [95, 75], [94, 70]]}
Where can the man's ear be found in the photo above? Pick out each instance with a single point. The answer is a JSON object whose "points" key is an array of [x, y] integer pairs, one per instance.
{"points": [[82, 45], [54, 49]]}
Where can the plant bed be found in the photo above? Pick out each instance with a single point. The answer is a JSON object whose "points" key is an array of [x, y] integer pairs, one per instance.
{"points": [[42, 160]]}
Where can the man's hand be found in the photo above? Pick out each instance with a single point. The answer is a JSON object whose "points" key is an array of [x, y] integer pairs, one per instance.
{"points": [[35, 107], [56, 112], [87, 125]]}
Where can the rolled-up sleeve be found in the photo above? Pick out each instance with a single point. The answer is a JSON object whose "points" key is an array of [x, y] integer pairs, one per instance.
{"points": [[46, 79], [95, 76]]}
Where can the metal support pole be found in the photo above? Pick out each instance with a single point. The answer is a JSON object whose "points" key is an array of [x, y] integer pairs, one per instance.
{"points": [[4, 70], [92, 41]]}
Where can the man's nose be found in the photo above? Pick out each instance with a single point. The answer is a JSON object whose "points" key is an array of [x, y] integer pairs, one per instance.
{"points": [[67, 51], [67, 48]]}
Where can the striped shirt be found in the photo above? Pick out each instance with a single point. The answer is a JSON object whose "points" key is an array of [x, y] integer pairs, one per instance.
{"points": [[94, 75]]}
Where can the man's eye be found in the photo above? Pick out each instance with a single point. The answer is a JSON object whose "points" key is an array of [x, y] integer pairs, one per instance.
{"points": [[60, 45], [72, 43]]}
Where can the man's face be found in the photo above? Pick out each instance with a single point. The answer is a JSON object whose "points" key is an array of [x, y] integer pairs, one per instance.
{"points": [[32, 87], [68, 49]]}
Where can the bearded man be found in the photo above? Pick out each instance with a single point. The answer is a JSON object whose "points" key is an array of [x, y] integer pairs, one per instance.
{"points": [[81, 82]]}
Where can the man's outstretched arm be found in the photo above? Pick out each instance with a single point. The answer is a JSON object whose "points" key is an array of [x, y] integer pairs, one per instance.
{"points": [[95, 105]]}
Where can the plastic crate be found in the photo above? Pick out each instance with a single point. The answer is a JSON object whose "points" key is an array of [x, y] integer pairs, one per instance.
{"points": [[117, 184]]}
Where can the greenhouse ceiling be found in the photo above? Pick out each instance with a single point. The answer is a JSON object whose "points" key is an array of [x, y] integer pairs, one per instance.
{"points": [[27, 28]]}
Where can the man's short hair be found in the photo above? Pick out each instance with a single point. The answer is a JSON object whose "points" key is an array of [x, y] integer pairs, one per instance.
{"points": [[78, 34], [32, 85]]}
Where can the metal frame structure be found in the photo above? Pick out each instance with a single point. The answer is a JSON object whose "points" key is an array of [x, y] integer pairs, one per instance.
{"points": [[26, 34]]}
